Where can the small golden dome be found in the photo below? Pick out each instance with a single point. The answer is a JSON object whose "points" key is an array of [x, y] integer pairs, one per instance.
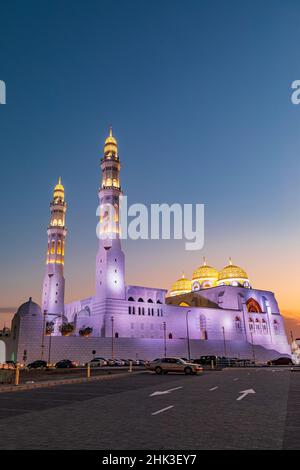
{"points": [[232, 272], [110, 142], [59, 190], [59, 186], [205, 272], [181, 286]]}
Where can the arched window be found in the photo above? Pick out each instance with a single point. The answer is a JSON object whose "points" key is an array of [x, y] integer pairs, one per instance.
{"points": [[251, 324], [257, 325], [116, 334], [170, 336], [139, 310], [52, 247], [58, 251], [150, 301], [129, 310], [63, 248], [238, 325], [158, 302], [276, 327], [253, 306], [264, 326], [131, 299], [140, 299]]}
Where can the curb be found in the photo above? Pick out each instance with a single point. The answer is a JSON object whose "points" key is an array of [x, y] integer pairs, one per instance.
{"points": [[52, 383]]}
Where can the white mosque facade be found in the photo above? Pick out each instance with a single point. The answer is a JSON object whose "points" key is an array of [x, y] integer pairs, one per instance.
{"points": [[219, 311]]}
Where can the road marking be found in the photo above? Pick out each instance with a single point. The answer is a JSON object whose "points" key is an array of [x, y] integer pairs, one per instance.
{"points": [[214, 388], [164, 392], [162, 410], [235, 379], [245, 393]]}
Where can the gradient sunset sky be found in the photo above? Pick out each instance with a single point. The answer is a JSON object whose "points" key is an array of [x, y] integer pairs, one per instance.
{"points": [[199, 97]]}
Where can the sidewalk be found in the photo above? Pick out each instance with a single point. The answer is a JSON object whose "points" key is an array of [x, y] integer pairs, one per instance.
{"points": [[51, 383]]}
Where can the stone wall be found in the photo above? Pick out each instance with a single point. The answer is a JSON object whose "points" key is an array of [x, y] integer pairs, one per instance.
{"points": [[80, 349]]}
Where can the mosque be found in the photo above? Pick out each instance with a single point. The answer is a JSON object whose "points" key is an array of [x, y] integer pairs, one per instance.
{"points": [[219, 312]]}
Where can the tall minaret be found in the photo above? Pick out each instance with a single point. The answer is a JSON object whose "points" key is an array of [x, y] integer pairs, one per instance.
{"points": [[110, 262], [54, 281]]}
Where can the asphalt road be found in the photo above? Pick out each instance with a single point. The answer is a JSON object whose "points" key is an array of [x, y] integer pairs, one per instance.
{"points": [[210, 411]]}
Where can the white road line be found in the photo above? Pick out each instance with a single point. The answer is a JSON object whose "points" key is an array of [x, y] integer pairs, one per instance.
{"points": [[235, 379], [164, 391], [245, 393], [214, 388], [162, 410]]}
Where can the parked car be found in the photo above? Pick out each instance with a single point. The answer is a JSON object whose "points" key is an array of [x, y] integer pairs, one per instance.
{"points": [[208, 360], [173, 364], [281, 361], [37, 365], [65, 364], [97, 362], [119, 362], [142, 362]]}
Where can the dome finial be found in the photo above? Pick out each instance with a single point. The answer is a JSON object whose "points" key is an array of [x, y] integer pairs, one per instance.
{"points": [[230, 260], [204, 260], [110, 131]]}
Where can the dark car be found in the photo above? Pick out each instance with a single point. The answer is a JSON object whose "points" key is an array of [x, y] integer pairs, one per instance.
{"points": [[37, 365], [65, 364], [281, 361], [208, 360]]}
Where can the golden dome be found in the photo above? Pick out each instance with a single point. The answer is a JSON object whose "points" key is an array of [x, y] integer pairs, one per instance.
{"points": [[232, 272], [205, 272], [59, 190], [110, 143], [181, 286]]}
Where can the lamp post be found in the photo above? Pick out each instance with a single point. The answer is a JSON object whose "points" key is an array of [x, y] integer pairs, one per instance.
{"points": [[112, 337], [57, 315], [253, 351], [43, 335], [224, 340], [188, 334], [165, 338]]}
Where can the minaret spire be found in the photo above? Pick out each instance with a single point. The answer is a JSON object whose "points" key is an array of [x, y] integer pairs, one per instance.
{"points": [[54, 282], [110, 258]]}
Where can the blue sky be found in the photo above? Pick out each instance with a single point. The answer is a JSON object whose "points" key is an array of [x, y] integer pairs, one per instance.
{"points": [[198, 94]]}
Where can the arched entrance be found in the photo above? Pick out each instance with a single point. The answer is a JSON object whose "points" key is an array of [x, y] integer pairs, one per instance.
{"points": [[2, 352], [253, 306]]}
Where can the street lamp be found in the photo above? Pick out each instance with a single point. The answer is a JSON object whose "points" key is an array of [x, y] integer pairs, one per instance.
{"points": [[165, 338], [253, 351], [112, 337], [224, 340], [57, 315], [188, 334]]}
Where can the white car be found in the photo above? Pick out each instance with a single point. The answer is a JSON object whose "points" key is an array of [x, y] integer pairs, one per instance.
{"points": [[174, 364], [98, 362]]}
